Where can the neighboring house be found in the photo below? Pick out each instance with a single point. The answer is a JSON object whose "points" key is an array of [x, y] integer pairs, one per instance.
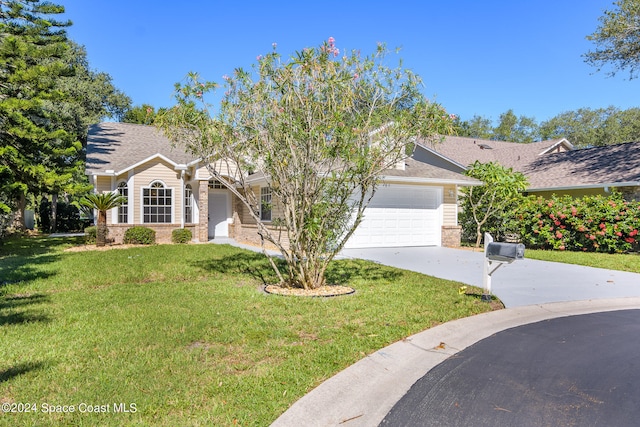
{"points": [[168, 188], [551, 167], [596, 170]]}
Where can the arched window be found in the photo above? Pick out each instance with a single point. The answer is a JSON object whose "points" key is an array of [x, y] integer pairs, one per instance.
{"points": [[123, 210], [188, 204], [156, 203]]}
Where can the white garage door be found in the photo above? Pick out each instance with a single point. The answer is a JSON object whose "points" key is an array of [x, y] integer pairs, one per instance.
{"points": [[401, 216]]}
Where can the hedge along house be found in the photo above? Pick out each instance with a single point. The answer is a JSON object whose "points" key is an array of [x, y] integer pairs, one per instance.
{"points": [[168, 188]]}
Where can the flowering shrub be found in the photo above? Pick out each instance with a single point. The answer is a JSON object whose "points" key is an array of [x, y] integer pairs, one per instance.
{"points": [[323, 125], [592, 223]]}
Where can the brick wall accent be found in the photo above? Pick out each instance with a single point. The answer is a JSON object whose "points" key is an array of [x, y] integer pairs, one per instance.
{"points": [[203, 206], [116, 232], [248, 233], [451, 236], [163, 232], [235, 228]]}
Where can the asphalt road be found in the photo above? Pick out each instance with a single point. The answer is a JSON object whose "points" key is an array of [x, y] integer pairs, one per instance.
{"points": [[570, 371]]}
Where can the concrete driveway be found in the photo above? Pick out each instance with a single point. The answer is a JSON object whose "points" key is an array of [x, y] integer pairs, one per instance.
{"points": [[521, 283]]}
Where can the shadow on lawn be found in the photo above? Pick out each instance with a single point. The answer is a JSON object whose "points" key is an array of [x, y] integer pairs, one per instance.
{"points": [[21, 258], [20, 369], [253, 264], [14, 310], [344, 271], [256, 265], [25, 270]]}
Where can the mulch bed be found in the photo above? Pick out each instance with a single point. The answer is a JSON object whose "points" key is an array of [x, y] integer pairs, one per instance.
{"points": [[324, 291]]}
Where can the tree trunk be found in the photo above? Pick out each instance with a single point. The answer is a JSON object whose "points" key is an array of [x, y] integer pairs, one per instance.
{"points": [[18, 219], [54, 213], [101, 229]]}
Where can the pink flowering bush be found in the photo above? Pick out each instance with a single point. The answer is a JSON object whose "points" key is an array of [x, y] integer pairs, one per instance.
{"points": [[592, 223]]}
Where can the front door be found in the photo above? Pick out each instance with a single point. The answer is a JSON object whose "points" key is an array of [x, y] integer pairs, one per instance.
{"points": [[218, 214]]}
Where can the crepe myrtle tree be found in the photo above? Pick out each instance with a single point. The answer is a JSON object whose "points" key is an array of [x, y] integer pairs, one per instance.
{"points": [[320, 128]]}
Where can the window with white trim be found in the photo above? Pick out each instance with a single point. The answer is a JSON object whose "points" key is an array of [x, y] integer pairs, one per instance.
{"points": [[214, 184], [188, 204], [123, 209], [156, 204], [265, 203]]}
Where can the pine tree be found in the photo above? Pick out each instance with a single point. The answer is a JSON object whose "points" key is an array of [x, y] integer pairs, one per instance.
{"points": [[32, 45]]}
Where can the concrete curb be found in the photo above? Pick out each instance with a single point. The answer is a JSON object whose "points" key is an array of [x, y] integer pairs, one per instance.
{"points": [[365, 392]]}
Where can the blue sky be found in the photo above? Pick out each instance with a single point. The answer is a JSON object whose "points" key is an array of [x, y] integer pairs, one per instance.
{"points": [[475, 57]]}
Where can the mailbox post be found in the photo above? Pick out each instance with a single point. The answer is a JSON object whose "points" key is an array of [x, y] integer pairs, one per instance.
{"points": [[498, 254]]}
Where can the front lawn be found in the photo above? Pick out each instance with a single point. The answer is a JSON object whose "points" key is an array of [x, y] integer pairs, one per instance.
{"points": [[623, 262], [183, 335]]}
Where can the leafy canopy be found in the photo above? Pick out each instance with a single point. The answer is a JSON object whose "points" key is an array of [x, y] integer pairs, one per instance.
{"points": [[584, 127], [617, 39], [102, 201]]}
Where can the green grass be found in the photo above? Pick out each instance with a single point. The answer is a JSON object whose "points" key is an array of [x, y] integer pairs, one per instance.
{"points": [[623, 262], [185, 333]]}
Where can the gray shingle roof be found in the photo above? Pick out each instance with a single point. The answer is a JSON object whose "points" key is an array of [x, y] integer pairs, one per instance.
{"points": [[606, 165], [118, 146], [417, 169], [549, 164], [466, 151]]}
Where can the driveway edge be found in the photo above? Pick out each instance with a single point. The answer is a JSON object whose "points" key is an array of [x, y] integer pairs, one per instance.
{"points": [[365, 392]]}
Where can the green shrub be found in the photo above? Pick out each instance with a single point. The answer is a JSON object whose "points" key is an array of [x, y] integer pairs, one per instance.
{"points": [[591, 223], [484, 206], [181, 235], [90, 235], [139, 235]]}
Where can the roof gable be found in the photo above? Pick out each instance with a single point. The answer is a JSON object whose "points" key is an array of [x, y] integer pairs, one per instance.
{"points": [[428, 154], [419, 170], [118, 147]]}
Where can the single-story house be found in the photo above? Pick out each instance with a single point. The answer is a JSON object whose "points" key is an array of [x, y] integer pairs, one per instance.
{"points": [[168, 188], [553, 166]]}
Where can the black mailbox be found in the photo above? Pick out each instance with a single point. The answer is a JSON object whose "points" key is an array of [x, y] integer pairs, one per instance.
{"points": [[505, 252]]}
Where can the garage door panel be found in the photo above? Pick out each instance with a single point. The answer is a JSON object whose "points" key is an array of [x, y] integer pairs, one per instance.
{"points": [[400, 216]]}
